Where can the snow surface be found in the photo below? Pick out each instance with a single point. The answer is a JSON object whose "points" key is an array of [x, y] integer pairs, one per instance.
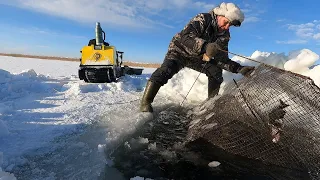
{"points": [[45, 108]]}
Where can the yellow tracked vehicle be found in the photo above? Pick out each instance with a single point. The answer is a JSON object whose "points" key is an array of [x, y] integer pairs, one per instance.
{"points": [[100, 62]]}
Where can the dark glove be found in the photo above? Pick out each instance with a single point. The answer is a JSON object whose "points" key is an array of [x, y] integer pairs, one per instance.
{"points": [[246, 70], [211, 50]]}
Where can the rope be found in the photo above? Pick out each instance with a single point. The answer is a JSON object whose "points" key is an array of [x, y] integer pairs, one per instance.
{"points": [[193, 84], [243, 57]]}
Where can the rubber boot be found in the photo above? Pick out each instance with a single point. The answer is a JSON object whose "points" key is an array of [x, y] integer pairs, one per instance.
{"points": [[213, 88], [150, 92]]}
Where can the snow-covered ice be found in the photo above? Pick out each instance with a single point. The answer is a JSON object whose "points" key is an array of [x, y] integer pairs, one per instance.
{"points": [[47, 114]]}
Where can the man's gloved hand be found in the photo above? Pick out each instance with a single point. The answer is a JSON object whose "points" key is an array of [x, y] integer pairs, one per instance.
{"points": [[211, 50], [246, 70]]}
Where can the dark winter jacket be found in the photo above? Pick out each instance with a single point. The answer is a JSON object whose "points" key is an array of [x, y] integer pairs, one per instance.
{"points": [[189, 44]]}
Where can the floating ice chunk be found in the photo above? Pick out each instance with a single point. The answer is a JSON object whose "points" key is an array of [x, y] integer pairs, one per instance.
{"points": [[209, 126], [152, 146], [101, 147], [214, 164], [209, 116]]}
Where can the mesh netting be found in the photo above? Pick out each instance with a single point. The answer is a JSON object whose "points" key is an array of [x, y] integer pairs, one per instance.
{"points": [[274, 117]]}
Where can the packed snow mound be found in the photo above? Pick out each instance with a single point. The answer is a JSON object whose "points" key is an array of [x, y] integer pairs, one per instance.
{"points": [[178, 87], [314, 74], [300, 61], [271, 58], [19, 85]]}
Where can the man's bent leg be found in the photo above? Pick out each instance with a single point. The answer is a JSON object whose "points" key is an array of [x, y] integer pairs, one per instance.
{"points": [[158, 78], [213, 87]]}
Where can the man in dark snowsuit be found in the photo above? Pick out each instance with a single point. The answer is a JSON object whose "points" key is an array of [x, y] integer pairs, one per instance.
{"points": [[198, 42]]}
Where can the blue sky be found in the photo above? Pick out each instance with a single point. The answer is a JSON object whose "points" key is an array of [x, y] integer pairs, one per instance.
{"points": [[143, 28]]}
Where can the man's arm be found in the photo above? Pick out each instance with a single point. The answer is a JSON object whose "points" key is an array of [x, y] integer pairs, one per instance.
{"points": [[222, 58], [191, 34]]}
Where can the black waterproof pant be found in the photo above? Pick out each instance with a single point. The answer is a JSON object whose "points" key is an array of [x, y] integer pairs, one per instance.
{"points": [[170, 67]]}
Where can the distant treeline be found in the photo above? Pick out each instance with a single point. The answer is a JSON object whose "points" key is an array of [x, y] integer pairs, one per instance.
{"points": [[135, 64]]}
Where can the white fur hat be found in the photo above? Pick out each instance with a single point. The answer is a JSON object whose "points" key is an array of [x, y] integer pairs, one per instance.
{"points": [[230, 11]]}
